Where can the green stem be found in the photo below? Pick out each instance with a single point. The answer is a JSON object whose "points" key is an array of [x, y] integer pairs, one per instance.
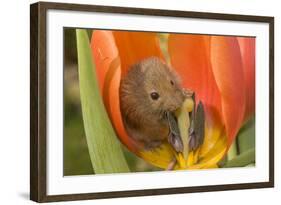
{"points": [[104, 148]]}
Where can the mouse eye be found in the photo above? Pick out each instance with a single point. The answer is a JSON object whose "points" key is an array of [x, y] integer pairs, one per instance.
{"points": [[154, 95], [172, 82]]}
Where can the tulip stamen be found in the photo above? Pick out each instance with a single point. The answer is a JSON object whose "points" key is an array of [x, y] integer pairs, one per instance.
{"points": [[183, 119]]}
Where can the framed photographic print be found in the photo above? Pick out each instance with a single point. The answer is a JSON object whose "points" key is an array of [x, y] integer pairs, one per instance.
{"points": [[133, 102]]}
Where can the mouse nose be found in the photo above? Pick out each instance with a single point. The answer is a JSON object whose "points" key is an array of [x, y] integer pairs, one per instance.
{"points": [[176, 103]]}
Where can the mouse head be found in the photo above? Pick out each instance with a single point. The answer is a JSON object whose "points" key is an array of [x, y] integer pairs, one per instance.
{"points": [[162, 86]]}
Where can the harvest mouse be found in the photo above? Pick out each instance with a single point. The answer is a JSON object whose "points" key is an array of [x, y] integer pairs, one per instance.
{"points": [[149, 94]]}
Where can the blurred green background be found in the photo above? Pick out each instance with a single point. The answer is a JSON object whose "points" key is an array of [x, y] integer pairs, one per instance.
{"points": [[76, 156]]}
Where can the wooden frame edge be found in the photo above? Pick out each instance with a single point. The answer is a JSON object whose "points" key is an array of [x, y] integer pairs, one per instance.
{"points": [[38, 101], [34, 171]]}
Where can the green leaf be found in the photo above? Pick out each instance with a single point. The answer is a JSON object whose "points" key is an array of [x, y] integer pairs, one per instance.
{"points": [[246, 136], [104, 148], [242, 150], [244, 159]]}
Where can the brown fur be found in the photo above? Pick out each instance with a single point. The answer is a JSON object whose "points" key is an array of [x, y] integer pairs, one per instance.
{"points": [[144, 118]]}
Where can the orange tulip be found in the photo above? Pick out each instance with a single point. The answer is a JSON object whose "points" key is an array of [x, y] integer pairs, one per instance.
{"points": [[219, 69]]}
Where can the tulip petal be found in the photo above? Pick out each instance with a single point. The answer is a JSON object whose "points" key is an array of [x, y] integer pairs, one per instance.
{"points": [[190, 58], [228, 71], [108, 71], [160, 157], [104, 51], [136, 46], [214, 156], [214, 132], [247, 48]]}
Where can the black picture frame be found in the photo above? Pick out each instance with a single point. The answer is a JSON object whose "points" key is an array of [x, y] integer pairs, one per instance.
{"points": [[38, 100]]}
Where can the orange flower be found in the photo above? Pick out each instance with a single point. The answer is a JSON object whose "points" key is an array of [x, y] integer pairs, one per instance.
{"points": [[220, 69]]}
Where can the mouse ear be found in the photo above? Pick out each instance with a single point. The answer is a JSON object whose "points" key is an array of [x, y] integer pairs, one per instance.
{"points": [[175, 77], [143, 68], [148, 63], [136, 46]]}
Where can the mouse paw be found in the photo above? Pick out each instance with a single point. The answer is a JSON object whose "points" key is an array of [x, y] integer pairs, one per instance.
{"points": [[187, 92], [152, 145]]}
